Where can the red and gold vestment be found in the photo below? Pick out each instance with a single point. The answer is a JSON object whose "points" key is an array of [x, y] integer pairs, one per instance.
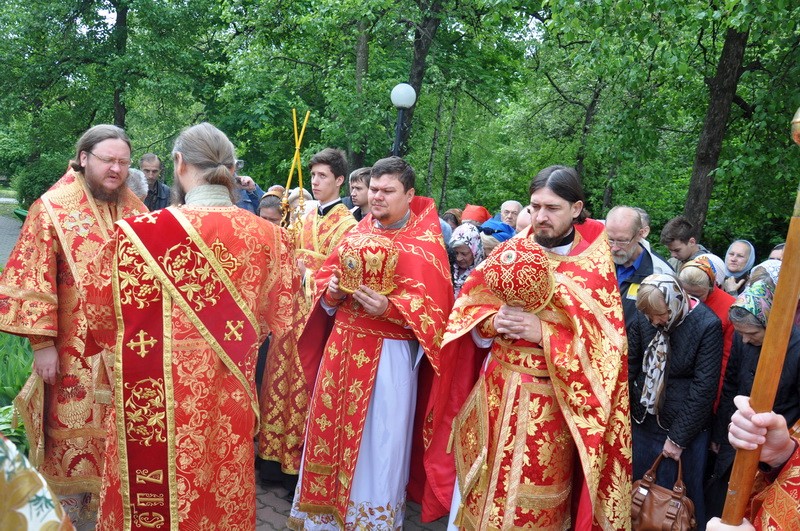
{"points": [[418, 310], [539, 412], [776, 504], [285, 392], [193, 292], [40, 298]]}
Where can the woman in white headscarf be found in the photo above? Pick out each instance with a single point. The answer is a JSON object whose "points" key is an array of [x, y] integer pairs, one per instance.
{"points": [[467, 249], [768, 268], [674, 353], [739, 260]]}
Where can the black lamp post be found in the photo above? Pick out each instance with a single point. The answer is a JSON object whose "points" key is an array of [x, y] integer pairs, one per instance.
{"points": [[403, 97]]}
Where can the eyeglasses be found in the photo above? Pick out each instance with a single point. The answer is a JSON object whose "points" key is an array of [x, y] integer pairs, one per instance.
{"points": [[619, 243], [123, 163]]}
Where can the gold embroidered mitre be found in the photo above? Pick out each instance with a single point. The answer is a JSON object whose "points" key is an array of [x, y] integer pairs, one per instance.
{"points": [[368, 260], [519, 273]]}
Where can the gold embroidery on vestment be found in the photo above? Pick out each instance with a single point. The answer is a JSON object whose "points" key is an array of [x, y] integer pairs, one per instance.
{"points": [[143, 343]]}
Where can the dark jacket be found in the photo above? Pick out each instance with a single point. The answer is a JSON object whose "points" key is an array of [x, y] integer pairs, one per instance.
{"points": [[692, 374], [646, 268], [739, 378], [250, 200], [158, 197]]}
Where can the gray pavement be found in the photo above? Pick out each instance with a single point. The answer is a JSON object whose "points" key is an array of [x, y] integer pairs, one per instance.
{"points": [[272, 508], [9, 232]]}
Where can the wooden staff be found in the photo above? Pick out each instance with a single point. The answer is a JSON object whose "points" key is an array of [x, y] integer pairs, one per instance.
{"points": [[770, 363]]}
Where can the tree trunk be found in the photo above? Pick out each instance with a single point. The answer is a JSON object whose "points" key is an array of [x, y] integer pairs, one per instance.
{"points": [[423, 39], [120, 37], [608, 192], [447, 152], [591, 110], [359, 155], [722, 89], [434, 145]]}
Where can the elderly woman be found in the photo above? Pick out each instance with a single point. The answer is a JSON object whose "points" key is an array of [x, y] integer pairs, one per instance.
{"points": [[467, 249], [739, 261], [675, 352], [749, 315]]}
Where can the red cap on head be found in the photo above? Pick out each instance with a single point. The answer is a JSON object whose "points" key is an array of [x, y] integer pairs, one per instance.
{"points": [[475, 213]]}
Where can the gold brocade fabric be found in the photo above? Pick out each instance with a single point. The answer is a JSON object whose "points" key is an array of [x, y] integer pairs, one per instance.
{"points": [[285, 391], [538, 412], [40, 297], [418, 308], [776, 506], [198, 414]]}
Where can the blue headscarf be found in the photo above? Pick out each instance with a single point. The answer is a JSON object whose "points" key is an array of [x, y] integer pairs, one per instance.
{"points": [[751, 259]]}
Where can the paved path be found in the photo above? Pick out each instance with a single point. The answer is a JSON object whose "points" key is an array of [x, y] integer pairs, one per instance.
{"points": [[272, 510], [9, 232]]}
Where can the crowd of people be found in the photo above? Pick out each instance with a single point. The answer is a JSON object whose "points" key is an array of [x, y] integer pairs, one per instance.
{"points": [[511, 370]]}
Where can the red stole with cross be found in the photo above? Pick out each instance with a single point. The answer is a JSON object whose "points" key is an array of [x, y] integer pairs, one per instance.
{"points": [[164, 262]]}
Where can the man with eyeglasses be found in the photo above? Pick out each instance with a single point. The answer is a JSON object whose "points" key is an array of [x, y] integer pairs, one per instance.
{"points": [[633, 261], [158, 193], [64, 402]]}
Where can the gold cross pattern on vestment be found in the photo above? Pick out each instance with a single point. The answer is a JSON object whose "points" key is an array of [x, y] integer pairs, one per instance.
{"points": [[148, 217], [77, 220], [143, 344], [234, 330]]}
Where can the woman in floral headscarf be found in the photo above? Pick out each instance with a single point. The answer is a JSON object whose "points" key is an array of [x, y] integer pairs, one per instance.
{"points": [[674, 356], [467, 249], [749, 315]]}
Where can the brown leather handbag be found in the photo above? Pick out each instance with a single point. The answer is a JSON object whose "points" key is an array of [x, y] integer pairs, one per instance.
{"points": [[655, 508]]}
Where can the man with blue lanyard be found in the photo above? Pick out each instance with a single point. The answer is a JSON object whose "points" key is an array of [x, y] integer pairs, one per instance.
{"points": [[634, 262]]}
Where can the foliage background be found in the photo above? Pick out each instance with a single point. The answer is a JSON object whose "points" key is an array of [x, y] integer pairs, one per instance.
{"points": [[617, 88]]}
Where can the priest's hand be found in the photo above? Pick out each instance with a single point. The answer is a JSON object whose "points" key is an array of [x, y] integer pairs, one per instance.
{"points": [[373, 302], [301, 266], [749, 429], [715, 524], [516, 323], [333, 287], [45, 363]]}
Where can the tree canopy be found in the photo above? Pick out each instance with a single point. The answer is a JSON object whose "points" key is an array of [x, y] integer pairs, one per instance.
{"points": [[677, 107]]}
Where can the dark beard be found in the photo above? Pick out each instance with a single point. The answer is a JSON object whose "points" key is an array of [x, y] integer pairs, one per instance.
{"points": [[178, 193], [101, 194], [548, 242]]}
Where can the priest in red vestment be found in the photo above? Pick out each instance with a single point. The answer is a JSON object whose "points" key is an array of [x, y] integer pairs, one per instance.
{"points": [[286, 392], [386, 324], [543, 440], [181, 298], [64, 402]]}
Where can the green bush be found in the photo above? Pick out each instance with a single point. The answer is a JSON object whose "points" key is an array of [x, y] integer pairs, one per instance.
{"points": [[16, 358], [34, 179], [15, 434]]}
